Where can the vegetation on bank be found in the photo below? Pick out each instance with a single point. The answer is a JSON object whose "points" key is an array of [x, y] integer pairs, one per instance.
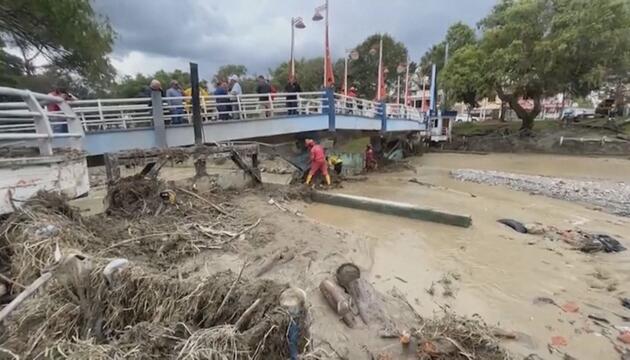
{"points": [[596, 126], [532, 49]]}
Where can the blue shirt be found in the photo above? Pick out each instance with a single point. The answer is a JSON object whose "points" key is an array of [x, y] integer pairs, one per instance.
{"points": [[173, 92], [220, 101]]}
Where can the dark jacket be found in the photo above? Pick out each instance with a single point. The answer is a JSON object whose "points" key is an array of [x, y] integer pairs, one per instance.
{"points": [[263, 89], [292, 88]]}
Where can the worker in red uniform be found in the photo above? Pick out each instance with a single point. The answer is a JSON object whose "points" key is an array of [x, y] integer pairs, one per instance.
{"points": [[318, 161], [370, 158]]}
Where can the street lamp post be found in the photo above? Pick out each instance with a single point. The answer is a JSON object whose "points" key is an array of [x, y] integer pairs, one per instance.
{"points": [[318, 17], [399, 70], [296, 23]]}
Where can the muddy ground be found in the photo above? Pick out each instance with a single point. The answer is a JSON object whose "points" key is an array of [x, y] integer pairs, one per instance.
{"points": [[487, 272], [489, 269], [196, 256]]}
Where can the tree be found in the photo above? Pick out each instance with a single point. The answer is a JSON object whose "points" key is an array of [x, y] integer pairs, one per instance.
{"points": [[464, 76], [363, 73], [458, 35], [65, 32], [309, 73], [231, 69], [10, 67], [131, 86], [538, 48]]}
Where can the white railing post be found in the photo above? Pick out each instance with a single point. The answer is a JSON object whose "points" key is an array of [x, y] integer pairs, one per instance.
{"points": [[85, 128], [100, 114], [74, 126], [42, 124], [240, 107]]}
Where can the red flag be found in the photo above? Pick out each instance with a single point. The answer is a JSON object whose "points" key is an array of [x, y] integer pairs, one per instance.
{"points": [[329, 76]]}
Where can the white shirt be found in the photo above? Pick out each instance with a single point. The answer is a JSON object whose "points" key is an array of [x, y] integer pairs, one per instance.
{"points": [[236, 89]]}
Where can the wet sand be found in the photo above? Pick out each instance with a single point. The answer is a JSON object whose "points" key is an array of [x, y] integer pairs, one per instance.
{"points": [[500, 272]]}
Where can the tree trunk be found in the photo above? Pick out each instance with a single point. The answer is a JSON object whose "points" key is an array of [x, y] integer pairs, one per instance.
{"points": [[502, 112], [527, 117]]}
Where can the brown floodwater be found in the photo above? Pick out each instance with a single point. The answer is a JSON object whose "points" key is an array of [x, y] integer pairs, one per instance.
{"points": [[495, 272]]}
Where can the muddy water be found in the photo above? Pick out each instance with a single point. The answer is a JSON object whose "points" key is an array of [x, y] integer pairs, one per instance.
{"points": [[496, 272]]}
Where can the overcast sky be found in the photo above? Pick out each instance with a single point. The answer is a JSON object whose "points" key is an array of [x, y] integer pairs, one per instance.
{"points": [[168, 34]]}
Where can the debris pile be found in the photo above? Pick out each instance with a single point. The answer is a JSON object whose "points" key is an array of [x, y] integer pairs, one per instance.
{"points": [[93, 307], [105, 289], [609, 196], [447, 338], [578, 239]]}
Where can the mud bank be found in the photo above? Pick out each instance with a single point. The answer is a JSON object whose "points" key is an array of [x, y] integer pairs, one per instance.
{"points": [[578, 139]]}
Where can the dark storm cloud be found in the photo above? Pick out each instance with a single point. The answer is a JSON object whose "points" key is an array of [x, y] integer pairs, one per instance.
{"points": [[155, 34]]}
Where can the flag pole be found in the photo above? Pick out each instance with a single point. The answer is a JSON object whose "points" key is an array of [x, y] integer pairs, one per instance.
{"points": [[407, 84], [380, 70]]}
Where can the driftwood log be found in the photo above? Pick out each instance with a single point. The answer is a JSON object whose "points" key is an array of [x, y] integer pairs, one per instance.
{"points": [[281, 256], [338, 300]]}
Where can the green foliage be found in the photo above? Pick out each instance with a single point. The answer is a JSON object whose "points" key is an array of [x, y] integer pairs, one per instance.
{"points": [[66, 32], [309, 73], [10, 68], [458, 36], [464, 76], [537, 48], [231, 69], [363, 73], [132, 86]]}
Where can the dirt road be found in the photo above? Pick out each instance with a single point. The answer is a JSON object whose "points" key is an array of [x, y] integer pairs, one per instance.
{"points": [[490, 269]]}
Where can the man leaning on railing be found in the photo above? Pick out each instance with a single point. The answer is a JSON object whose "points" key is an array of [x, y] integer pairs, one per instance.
{"points": [[176, 108], [222, 100], [292, 87], [264, 89]]}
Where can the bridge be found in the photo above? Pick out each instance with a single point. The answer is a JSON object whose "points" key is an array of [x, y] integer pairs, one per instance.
{"points": [[109, 125]]}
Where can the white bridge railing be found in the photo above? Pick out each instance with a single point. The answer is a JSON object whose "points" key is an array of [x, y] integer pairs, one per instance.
{"points": [[24, 120], [20, 120]]}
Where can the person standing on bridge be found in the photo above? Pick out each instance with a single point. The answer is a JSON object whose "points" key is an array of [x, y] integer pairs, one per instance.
{"points": [[292, 87], [222, 100], [318, 161], [235, 91], [175, 102], [264, 89]]}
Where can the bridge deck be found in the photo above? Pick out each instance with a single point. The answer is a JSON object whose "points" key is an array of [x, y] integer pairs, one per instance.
{"points": [[111, 125]]}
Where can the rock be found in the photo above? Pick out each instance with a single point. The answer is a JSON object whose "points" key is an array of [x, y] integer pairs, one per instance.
{"points": [[3, 289], [609, 196], [535, 228]]}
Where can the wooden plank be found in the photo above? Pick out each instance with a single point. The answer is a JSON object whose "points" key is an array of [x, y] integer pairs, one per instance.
{"points": [[112, 167], [392, 208], [238, 160]]}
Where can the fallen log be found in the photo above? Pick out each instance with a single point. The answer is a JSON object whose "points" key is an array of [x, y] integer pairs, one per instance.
{"points": [[338, 301], [43, 279], [282, 256], [392, 208]]}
